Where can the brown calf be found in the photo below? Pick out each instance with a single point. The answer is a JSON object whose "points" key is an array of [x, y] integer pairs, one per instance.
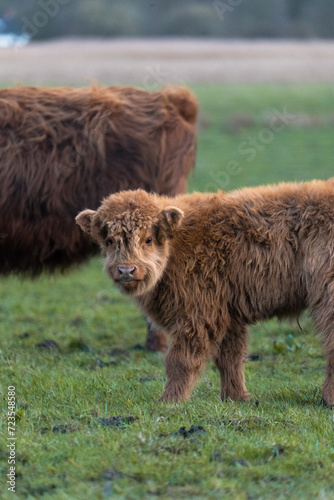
{"points": [[63, 150], [205, 266]]}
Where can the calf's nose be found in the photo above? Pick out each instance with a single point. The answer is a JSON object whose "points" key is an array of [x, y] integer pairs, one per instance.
{"points": [[126, 272]]}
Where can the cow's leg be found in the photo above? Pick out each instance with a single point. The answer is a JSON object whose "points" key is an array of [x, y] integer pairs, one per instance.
{"points": [[328, 388], [323, 315], [184, 361], [156, 339], [230, 358]]}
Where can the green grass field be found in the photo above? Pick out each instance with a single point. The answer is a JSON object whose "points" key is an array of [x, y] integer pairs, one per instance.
{"points": [[278, 445]]}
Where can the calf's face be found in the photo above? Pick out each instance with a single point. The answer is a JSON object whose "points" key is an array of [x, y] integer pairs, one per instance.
{"points": [[135, 261], [134, 234]]}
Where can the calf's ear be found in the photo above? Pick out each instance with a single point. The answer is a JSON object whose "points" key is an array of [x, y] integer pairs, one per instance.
{"points": [[92, 225], [84, 219], [171, 218]]}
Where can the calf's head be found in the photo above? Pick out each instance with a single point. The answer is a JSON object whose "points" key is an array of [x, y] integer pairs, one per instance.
{"points": [[134, 230]]}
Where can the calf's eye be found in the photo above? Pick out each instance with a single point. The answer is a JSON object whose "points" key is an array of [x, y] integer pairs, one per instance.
{"points": [[148, 241], [109, 242]]}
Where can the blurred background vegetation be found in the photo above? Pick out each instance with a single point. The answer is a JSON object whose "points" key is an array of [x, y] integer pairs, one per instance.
{"points": [[150, 18]]}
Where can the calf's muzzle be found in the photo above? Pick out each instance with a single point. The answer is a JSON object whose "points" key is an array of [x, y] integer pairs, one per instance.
{"points": [[126, 273]]}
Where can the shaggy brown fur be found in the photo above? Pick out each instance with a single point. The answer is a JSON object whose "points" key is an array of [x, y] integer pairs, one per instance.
{"points": [[204, 267], [63, 149]]}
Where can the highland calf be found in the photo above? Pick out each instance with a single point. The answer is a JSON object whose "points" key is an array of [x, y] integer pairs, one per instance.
{"points": [[63, 149], [205, 266]]}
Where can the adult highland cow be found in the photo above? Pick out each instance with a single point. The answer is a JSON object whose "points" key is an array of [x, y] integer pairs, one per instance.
{"points": [[63, 150]]}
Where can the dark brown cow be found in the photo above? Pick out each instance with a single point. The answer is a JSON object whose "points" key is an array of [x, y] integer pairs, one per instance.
{"points": [[64, 149], [204, 267]]}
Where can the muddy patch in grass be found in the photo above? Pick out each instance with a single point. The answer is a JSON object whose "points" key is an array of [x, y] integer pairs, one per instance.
{"points": [[24, 335], [174, 444], [64, 428], [193, 430], [59, 429], [48, 345], [78, 345], [116, 421]]}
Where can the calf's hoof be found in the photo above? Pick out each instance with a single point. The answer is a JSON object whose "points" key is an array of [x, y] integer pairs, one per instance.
{"points": [[169, 399], [235, 396], [171, 396]]}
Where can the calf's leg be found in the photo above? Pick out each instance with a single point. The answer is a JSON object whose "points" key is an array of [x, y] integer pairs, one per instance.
{"points": [[230, 359], [156, 339], [184, 361]]}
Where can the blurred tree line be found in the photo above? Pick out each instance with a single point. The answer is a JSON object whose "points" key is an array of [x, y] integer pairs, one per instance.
{"points": [[207, 18]]}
